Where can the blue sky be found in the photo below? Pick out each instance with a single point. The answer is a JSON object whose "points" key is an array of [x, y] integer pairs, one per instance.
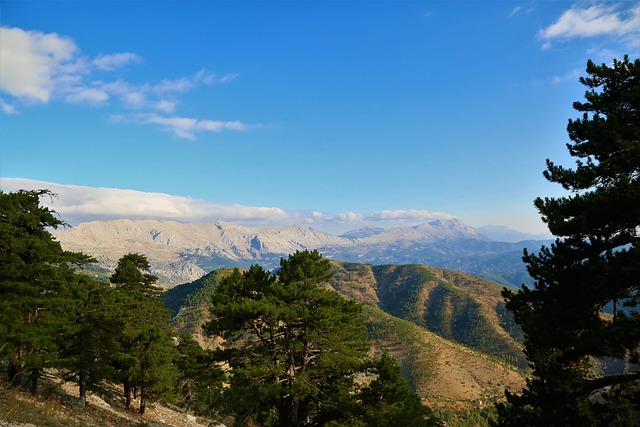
{"points": [[326, 113]]}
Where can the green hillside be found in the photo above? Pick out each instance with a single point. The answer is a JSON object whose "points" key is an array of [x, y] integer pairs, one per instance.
{"points": [[449, 331], [456, 306]]}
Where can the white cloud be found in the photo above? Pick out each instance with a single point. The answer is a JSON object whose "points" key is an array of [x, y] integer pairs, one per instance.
{"points": [[596, 20], [406, 215], [348, 217], [157, 97], [227, 78], [515, 11], [114, 61], [184, 84], [134, 99], [165, 106], [76, 204], [7, 108], [87, 95], [31, 62], [183, 127], [570, 76], [38, 68]]}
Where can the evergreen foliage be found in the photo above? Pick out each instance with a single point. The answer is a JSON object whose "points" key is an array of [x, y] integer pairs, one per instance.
{"points": [[199, 381], [91, 341], [144, 362], [399, 288], [51, 316], [292, 348], [295, 353], [593, 263], [389, 402], [34, 273], [443, 306], [132, 274]]}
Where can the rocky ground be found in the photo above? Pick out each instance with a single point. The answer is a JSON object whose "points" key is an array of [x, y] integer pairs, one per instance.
{"points": [[55, 405]]}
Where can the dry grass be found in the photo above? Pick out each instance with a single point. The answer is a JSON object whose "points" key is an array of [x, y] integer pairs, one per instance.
{"points": [[54, 406]]}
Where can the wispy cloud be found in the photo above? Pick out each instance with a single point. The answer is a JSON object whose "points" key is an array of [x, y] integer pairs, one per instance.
{"points": [[594, 20], [87, 95], [515, 11], [570, 76], [76, 204], [406, 215], [39, 68], [160, 97], [519, 10], [7, 108], [182, 127], [114, 61]]}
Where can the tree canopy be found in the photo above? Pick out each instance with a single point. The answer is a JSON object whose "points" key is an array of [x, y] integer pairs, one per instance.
{"points": [[580, 318], [293, 348], [54, 316], [35, 277], [132, 274], [144, 362]]}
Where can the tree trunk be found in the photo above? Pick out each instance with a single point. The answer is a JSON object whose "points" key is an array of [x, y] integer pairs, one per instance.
{"points": [[135, 392], [35, 374], [143, 400], [13, 375], [127, 394], [82, 385], [288, 417]]}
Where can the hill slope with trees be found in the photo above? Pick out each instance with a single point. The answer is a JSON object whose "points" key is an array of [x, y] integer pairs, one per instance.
{"points": [[400, 318]]}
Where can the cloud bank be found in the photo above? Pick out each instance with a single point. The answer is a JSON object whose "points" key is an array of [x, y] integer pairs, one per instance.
{"points": [[76, 204], [39, 68]]}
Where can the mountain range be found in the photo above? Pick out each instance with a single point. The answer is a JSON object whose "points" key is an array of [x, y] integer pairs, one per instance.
{"points": [[180, 253]]}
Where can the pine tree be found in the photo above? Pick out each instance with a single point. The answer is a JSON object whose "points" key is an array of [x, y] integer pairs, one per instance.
{"points": [[592, 266], [292, 348], [146, 349], [289, 342], [199, 381], [154, 373], [389, 402], [92, 340], [132, 274], [34, 271]]}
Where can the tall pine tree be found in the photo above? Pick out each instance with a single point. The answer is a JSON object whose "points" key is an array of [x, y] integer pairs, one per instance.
{"points": [[91, 341], [291, 345], [293, 351], [586, 362], [34, 274], [144, 362]]}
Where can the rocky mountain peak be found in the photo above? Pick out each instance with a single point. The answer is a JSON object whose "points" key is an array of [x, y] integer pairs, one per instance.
{"points": [[171, 245]]}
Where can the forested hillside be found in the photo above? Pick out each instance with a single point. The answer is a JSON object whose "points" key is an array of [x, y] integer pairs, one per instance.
{"points": [[459, 353], [292, 353], [456, 306]]}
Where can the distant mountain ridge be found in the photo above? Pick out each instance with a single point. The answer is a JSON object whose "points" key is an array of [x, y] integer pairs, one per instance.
{"points": [[501, 233], [180, 252]]}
